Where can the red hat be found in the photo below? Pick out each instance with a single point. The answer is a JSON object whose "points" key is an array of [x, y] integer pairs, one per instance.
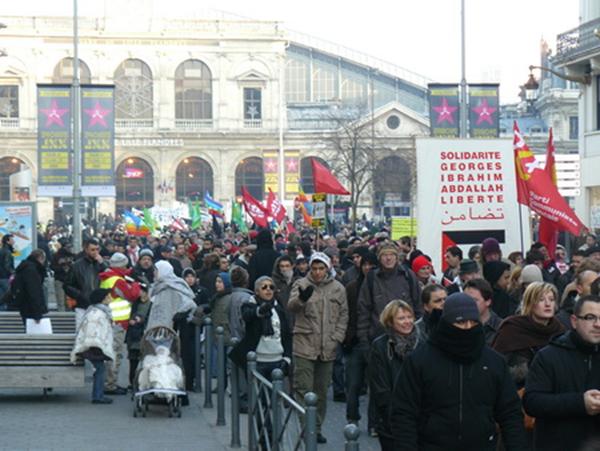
{"points": [[419, 262]]}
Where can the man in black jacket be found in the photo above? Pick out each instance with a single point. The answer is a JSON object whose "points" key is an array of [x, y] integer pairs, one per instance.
{"points": [[83, 278], [262, 262], [453, 390], [29, 286], [7, 262], [562, 390]]}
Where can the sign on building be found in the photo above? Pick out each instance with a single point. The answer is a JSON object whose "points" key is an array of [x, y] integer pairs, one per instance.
{"points": [[484, 117], [466, 192], [444, 111]]}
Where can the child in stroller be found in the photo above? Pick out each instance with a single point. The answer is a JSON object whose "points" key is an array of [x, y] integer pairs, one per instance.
{"points": [[159, 377]]}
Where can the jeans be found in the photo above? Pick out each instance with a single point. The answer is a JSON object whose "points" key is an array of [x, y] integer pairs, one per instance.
{"points": [[99, 374], [356, 365], [338, 372]]}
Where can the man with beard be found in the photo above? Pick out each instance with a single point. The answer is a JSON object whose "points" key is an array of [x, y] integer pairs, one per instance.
{"points": [[454, 390]]}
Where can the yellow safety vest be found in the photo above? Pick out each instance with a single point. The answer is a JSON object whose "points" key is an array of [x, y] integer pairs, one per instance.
{"points": [[119, 307]]}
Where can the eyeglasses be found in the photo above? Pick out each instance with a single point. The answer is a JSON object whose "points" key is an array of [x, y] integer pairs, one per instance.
{"points": [[268, 287], [589, 318]]}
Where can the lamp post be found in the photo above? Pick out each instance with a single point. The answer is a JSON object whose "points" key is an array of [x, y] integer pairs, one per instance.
{"points": [[463, 80], [76, 136]]}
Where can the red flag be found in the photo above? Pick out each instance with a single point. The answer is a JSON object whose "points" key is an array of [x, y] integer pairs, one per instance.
{"points": [[254, 208], [548, 229], [324, 180], [536, 190], [274, 207]]}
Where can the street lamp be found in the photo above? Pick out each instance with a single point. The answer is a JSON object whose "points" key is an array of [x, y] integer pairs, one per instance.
{"points": [[531, 88], [585, 79]]}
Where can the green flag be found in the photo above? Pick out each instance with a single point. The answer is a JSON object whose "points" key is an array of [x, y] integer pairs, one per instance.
{"points": [[237, 217], [149, 221], [195, 215]]}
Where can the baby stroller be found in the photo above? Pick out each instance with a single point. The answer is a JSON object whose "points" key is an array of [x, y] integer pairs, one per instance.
{"points": [[159, 379]]}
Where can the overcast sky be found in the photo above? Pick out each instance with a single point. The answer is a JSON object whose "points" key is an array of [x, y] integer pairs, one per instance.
{"points": [[503, 36]]}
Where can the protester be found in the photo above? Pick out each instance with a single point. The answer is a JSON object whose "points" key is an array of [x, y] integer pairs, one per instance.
{"points": [[497, 273], [490, 251], [240, 294], [453, 257], [83, 278], [283, 276], [453, 391], [481, 292], [321, 312], [521, 336], [7, 262], [263, 260], [137, 325], [61, 263], [209, 272], [94, 340], [355, 255], [385, 360], [432, 298], [423, 269], [143, 271], [467, 270], [562, 390], [29, 287]]}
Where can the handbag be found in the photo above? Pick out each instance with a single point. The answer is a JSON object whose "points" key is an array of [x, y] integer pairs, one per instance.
{"points": [[528, 421]]}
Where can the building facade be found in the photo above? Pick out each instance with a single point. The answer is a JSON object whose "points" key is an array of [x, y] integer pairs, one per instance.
{"points": [[205, 105]]}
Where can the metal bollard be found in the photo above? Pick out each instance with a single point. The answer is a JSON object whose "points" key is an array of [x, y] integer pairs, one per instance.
{"points": [[208, 344], [251, 359], [198, 352], [276, 410], [220, 376], [351, 433], [310, 428], [235, 403]]}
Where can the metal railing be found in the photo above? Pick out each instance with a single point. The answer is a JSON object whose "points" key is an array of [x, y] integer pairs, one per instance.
{"points": [[276, 421], [193, 124], [9, 122], [133, 123], [577, 42]]}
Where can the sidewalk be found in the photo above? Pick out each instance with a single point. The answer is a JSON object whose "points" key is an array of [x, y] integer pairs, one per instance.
{"points": [[67, 420]]}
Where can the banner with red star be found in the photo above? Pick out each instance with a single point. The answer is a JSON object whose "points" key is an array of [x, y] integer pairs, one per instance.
{"points": [[444, 110], [98, 141], [54, 141], [484, 118]]}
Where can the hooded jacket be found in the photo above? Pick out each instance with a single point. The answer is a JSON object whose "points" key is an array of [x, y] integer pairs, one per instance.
{"points": [[29, 289], [283, 287], [321, 321], [558, 377], [261, 263], [440, 404], [169, 295], [94, 340]]}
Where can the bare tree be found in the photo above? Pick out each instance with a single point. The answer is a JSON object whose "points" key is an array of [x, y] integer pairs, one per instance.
{"points": [[351, 155]]}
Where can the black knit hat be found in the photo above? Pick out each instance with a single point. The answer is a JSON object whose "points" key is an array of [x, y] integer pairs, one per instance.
{"points": [[460, 307], [492, 271], [98, 295]]}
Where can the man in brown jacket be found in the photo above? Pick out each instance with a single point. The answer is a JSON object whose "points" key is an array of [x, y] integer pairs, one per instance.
{"points": [[319, 304]]}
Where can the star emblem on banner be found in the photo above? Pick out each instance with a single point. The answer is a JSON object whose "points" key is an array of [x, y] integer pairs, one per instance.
{"points": [[54, 114], [485, 112], [97, 115], [271, 164], [292, 165], [445, 112]]}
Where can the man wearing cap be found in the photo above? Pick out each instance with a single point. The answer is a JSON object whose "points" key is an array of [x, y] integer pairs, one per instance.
{"points": [[319, 304], [467, 270], [453, 390], [144, 269], [388, 282], [166, 253], [123, 292]]}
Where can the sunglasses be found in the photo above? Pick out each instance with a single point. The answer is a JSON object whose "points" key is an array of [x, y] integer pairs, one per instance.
{"points": [[268, 287]]}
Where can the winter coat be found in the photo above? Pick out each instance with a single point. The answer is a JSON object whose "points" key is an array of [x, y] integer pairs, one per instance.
{"points": [[352, 290], [236, 322], [400, 283], [29, 289], [441, 405], [135, 332], [61, 264], [491, 328], [254, 330], [7, 261], [321, 321], [261, 263], [283, 288], [83, 279], [219, 312], [558, 377], [503, 303], [142, 275], [169, 296], [382, 371], [94, 339]]}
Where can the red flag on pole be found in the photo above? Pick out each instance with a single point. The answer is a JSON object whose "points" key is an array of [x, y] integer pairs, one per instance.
{"points": [[274, 207], [548, 229], [324, 181], [536, 190], [254, 208]]}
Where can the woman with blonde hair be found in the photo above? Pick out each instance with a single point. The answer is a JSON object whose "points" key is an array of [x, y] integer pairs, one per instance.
{"points": [[521, 336], [385, 361]]}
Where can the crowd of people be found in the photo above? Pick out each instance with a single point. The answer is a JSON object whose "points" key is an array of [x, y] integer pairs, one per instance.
{"points": [[488, 353]]}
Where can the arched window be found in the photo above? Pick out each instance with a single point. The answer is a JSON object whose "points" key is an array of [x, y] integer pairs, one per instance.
{"points": [[194, 177], [133, 90], [297, 82], [135, 184], [8, 167], [392, 185], [306, 174], [325, 78], [193, 91], [249, 173], [63, 72]]}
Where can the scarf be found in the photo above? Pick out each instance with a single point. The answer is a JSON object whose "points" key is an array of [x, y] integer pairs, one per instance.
{"points": [[519, 333], [401, 345], [462, 346]]}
